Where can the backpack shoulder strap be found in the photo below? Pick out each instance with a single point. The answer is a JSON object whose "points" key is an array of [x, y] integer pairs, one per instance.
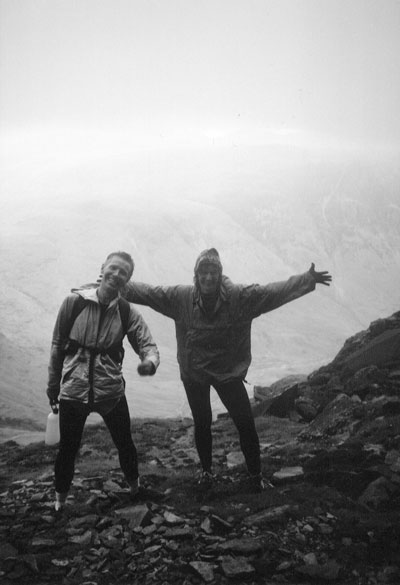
{"points": [[79, 304], [124, 311]]}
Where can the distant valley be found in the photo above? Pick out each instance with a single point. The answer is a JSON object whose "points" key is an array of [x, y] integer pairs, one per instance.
{"points": [[269, 211]]}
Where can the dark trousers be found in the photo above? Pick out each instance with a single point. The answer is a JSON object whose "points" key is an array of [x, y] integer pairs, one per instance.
{"points": [[72, 422], [234, 397]]}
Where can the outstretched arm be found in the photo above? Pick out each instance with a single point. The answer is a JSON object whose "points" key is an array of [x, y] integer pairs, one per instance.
{"points": [[166, 300], [258, 299], [320, 277]]}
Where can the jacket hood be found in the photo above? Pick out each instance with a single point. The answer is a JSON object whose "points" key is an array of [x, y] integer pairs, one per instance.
{"points": [[90, 294], [211, 256]]}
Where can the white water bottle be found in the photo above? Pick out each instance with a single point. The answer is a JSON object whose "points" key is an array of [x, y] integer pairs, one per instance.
{"points": [[52, 429]]}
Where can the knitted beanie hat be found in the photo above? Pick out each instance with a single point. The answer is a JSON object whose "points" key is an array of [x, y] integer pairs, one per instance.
{"points": [[210, 256]]}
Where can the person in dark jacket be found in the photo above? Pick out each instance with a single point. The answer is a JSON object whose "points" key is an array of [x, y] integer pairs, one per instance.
{"points": [[213, 320], [85, 369]]}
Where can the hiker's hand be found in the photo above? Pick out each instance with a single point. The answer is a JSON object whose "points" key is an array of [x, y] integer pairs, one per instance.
{"points": [[146, 368], [320, 277], [53, 398]]}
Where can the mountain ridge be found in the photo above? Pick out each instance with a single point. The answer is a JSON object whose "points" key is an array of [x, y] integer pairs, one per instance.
{"points": [[270, 214]]}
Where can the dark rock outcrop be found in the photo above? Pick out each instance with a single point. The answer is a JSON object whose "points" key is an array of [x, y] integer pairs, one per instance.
{"points": [[330, 442]]}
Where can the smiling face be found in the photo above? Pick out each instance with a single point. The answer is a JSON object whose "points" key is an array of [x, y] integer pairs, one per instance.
{"points": [[116, 272], [208, 278]]}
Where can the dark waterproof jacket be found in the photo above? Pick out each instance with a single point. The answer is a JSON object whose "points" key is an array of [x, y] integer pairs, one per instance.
{"points": [[217, 347], [91, 374]]}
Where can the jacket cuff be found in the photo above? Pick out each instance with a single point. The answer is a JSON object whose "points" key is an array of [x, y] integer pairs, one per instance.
{"points": [[154, 360]]}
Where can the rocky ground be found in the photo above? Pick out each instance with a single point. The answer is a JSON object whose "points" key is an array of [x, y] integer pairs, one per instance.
{"points": [[330, 446]]}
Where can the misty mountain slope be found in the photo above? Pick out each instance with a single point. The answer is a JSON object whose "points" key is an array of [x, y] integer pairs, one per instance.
{"points": [[50, 260], [345, 217], [269, 213], [20, 397]]}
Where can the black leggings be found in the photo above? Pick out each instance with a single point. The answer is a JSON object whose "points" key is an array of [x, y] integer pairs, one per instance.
{"points": [[72, 422], [236, 401]]}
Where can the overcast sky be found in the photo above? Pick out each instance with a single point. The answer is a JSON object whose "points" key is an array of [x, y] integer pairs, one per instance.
{"points": [[198, 71]]}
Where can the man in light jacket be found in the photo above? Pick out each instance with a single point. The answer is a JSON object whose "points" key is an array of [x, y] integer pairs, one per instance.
{"points": [[85, 369]]}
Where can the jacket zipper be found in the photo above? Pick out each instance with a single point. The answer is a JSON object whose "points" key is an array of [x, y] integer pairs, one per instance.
{"points": [[93, 353], [91, 377]]}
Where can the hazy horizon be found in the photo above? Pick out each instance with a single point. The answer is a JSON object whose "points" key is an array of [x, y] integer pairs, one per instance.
{"points": [[267, 128], [148, 73]]}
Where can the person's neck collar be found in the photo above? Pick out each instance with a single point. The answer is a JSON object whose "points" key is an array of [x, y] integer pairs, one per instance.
{"points": [[106, 297], [210, 296]]}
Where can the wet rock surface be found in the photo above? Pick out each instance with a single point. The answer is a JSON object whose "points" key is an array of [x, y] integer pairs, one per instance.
{"points": [[332, 451]]}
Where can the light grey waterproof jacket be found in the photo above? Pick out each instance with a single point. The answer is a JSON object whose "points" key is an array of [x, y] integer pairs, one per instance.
{"points": [[217, 347], [90, 374]]}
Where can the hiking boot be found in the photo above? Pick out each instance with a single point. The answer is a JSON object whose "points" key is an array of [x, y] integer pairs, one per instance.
{"points": [[134, 487], [206, 480], [145, 493], [259, 484], [60, 501]]}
